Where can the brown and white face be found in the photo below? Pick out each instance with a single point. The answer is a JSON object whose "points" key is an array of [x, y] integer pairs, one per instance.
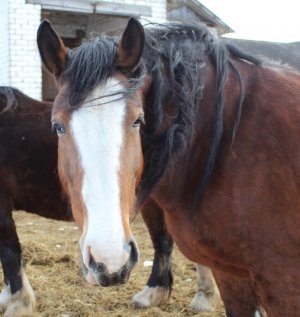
{"points": [[100, 157]]}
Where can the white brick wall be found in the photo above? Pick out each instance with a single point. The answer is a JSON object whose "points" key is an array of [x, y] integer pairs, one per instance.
{"points": [[4, 44], [24, 60], [20, 64]]}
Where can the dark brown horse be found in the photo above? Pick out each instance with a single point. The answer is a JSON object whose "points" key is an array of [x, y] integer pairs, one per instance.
{"points": [[28, 181], [159, 284], [173, 114]]}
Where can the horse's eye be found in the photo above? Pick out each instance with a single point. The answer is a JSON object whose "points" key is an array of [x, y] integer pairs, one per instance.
{"points": [[138, 121], [59, 128]]}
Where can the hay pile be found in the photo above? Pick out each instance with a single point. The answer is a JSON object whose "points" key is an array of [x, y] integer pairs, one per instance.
{"points": [[51, 252]]}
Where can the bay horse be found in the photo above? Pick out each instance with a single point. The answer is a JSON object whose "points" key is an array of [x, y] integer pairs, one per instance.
{"points": [[28, 165], [28, 181], [172, 114]]}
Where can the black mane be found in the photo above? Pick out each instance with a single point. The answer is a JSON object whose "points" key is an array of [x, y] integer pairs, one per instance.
{"points": [[8, 99], [174, 58]]}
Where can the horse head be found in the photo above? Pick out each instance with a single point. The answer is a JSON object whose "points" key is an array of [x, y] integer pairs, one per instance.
{"points": [[97, 114]]}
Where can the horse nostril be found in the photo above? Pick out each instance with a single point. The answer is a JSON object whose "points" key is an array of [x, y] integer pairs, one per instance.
{"points": [[101, 267], [123, 275]]}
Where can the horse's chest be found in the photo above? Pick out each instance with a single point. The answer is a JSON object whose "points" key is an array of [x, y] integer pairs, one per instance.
{"points": [[197, 243], [184, 235]]}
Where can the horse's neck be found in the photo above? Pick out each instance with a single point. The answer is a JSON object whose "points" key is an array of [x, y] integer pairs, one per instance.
{"points": [[30, 105], [179, 184]]}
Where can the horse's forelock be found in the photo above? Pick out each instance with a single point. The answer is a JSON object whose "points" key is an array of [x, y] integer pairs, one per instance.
{"points": [[89, 65]]}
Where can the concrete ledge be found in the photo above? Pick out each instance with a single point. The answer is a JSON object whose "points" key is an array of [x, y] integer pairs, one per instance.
{"points": [[81, 6]]}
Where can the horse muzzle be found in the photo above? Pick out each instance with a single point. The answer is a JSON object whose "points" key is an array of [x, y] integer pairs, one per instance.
{"points": [[98, 274]]}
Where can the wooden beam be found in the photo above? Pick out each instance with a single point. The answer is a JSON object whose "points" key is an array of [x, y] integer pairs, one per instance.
{"points": [[101, 7], [65, 5]]}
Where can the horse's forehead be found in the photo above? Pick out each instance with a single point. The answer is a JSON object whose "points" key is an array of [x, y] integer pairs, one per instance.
{"points": [[108, 91]]}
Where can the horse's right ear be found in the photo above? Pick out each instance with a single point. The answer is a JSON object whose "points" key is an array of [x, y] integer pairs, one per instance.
{"points": [[52, 49]]}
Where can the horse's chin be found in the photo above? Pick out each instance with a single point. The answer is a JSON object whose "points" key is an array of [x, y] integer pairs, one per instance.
{"points": [[98, 274]]}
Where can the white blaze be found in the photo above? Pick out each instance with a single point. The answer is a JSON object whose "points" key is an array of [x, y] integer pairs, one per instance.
{"points": [[98, 134]]}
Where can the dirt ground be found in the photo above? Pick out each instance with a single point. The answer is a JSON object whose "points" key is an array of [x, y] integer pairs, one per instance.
{"points": [[53, 267]]}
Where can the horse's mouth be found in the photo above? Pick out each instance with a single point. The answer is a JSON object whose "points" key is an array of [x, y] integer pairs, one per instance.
{"points": [[97, 273]]}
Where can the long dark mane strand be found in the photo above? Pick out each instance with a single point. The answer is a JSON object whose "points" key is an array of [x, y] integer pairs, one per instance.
{"points": [[222, 63], [220, 60]]}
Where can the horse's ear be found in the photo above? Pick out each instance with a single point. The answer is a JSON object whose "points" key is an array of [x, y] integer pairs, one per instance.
{"points": [[131, 45], [52, 49]]}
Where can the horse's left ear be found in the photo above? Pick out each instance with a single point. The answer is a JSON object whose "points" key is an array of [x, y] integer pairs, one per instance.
{"points": [[52, 49], [131, 45]]}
